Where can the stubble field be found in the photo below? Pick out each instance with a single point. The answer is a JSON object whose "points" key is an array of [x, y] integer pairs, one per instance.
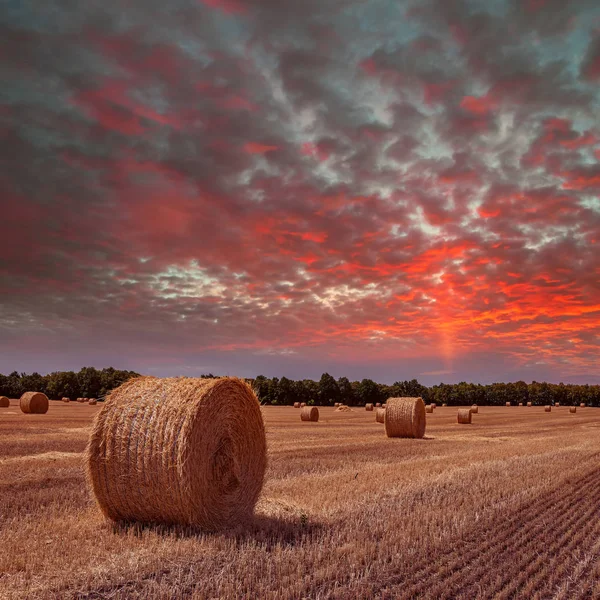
{"points": [[507, 507]]}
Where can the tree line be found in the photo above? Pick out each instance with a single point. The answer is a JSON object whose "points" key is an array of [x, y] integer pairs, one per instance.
{"points": [[86, 383], [93, 383]]}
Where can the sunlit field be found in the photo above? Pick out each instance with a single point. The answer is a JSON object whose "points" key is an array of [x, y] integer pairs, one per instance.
{"points": [[507, 507]]}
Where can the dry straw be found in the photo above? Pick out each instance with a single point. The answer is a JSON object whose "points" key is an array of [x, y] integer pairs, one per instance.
{"points": [[368, 407], [302, 404], [178, 450], [474, 409], [557, 404], [529, 404], [547, 408], [378, 405], [444, 405], [428, 408], [582, 405], [79, 400], [508, 404], [66, 399], [34, 403], [380, 415], [520, 404], [464, 415], [384, 405], [309, 413], [93, 401], [405, 417], [296, 404], [336, 405], [434, 405], [4, 402], [572, 409]]}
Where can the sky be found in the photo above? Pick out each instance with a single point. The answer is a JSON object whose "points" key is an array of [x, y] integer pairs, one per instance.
{"points": [[372, 188]]}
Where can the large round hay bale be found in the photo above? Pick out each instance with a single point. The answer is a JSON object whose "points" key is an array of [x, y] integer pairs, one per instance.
{"points": [[4, 402], [405, 417], [464, 415], [378, 405], [93, 401], [547, 408], [508, 404], [66, 399], [572, 409], [309, 413], [474, 409], [529, 404], [368, 407], [428, 408], [296, 404], [380, 415], [178, 450], [34, 403]]}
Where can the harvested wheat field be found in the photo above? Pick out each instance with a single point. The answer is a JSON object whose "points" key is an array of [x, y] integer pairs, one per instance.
{"points": [[508, 507]]}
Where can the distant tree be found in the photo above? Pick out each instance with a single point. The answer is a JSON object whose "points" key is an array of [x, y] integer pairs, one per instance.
{"points": [[329, 392], [63, 384], [346, 391], [368, 392]]}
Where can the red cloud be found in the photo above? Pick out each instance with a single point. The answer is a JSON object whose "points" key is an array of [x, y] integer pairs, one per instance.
{"points": [[256, 148], [478, 105], [230, 7]]}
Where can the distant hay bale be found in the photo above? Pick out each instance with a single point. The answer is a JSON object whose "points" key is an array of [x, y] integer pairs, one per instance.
{"points": [[428, 408], [309, 413], [66, 399], [34, 403], [93, 401], [474, 409], [378, 405], [296, 404], [384, 405], [86, 399], [343, 408], [529, 404], [434, 405], [444, 405], [405, 417], [520, 404], [508, 404], [547, 408], [464, 415], [557, 404], [368, 407], [80, 400], [178, 450], [336, 405], [572, 409], [380, 415], [582, 405], [302, 404], [4, 402]]}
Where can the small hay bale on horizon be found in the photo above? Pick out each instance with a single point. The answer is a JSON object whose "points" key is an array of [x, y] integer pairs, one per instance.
{"points": [[529, 404], [80, 400], [65, 399], [336, 404], [378, 405], [296, 404], [582, 405], [572, 409], [200, 456], [302, 404], [520, 404], [405, 417], [428, 408], [309, 413], [547, 408], [93, 401], [343, 408], [464, 416], [557, 404], [474, 409], [444, 405], [34, 403], [508, 404], [380, 415], [4, 402], [434, 405], [369, 407]]}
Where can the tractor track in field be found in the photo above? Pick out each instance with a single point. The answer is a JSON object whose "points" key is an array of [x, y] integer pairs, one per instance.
{"points": [[531, 549]]}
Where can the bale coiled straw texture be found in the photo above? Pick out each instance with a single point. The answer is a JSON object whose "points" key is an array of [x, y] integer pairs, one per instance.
{"points": [[464, 415], [302, 404], [178, 451], [474, 409], [4, 402], [428, 408], [34, 403], [380, 415], [405, 417], [368, 407], [309, 413]]}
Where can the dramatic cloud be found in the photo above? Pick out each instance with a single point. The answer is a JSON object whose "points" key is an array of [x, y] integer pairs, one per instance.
{"points": [[384, 189]]}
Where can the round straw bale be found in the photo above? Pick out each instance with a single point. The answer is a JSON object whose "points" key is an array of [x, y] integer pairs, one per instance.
{"points": [[582, 405], [336, 405], [296, 404], [474, 408], [557, 404], [520, 404], [79, 400], [444, 405], [302, 404], [309, 413], [434, 405], [529, 404], [380, 415], [384, 405], [378, 405], [428, 408], [34, 403], [572, 409], [508, 404], [405, 417], [178, 451], [86, 399], [368, 407], [93, 401], [4, 402], [464, 415], [66, 399], [547, 408]]}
